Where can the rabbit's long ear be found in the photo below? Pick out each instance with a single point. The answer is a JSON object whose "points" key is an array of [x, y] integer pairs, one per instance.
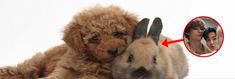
{"points": [[155, 29], [141, 29]]}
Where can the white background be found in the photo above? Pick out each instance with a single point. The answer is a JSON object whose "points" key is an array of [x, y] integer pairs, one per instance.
{"points": [[30, 26]]}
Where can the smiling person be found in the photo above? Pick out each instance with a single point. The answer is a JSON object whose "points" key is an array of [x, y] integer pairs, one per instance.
{"points": [[210, 36], [194, 32]]}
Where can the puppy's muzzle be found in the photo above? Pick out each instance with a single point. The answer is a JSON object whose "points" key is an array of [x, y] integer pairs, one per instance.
{"points": [[113, 51]]}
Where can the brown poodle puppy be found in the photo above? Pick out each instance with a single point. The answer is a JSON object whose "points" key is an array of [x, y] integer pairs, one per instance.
{"points": [[92, 40]]}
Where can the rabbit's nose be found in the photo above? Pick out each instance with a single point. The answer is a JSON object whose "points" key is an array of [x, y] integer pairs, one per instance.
{"points": [[141, 72], [113, 51]]}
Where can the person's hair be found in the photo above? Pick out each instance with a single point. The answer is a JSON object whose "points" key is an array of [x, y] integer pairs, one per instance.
{"points": [[195, 23], [207, 31]]}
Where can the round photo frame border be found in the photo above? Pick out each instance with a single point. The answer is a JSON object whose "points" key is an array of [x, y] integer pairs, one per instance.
{"points": [[222, 31]]}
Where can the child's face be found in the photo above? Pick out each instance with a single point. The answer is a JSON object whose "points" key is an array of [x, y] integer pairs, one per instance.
{"points": [[212, 41]]}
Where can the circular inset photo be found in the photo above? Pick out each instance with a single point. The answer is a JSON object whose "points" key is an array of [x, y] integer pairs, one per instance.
{"points": [[203, 36]]}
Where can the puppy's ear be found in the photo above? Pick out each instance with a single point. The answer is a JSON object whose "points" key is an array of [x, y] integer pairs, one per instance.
{"points": [[73, 37], [155, 29], [130, 22], [141, 29]]}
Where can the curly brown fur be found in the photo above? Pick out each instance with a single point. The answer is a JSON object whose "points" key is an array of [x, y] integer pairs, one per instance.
{"points": [[30, 69], [88, 38]]}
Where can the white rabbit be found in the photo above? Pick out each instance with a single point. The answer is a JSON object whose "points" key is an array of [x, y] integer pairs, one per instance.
{"points": [[146, 58]]}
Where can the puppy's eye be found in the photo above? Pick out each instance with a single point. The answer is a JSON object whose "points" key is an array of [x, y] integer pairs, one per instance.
{"points": [[117, 34], [130, 58], [94, 39], [154, 60]]}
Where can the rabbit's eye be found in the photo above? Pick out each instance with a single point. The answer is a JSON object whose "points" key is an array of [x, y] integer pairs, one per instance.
{"points": [[130, 58], [154, 60]]}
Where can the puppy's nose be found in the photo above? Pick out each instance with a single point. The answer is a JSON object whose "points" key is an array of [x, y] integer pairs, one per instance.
{"points": [[113, 51], [141, 72]]}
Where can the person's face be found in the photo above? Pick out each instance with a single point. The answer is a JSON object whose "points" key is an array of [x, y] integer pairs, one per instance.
{"points": [[212, 40], [196, 33]]}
